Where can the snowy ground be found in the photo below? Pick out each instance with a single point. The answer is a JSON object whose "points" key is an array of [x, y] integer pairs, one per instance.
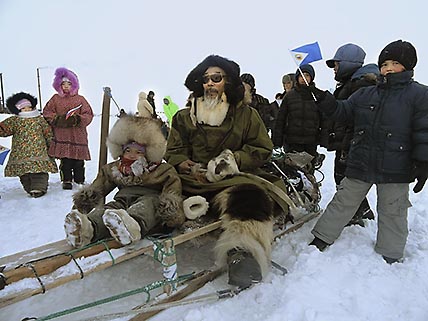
{"points": [[348, 282]]}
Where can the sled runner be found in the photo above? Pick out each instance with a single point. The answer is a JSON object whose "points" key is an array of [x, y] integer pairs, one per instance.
{"points": [[186, 285], [57, 263]]}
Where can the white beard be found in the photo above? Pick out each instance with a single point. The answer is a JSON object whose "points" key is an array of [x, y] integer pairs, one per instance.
{"points": [[210, 111], [211, 103]]}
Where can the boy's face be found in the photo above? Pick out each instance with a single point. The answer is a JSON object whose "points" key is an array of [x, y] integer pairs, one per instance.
{"points": [[307, 77], [288, 85], [390, 67], [132, 153]]}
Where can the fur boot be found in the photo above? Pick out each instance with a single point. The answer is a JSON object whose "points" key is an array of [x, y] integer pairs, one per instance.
{"points": [[247, 220], [122, 227], [78, 229]]}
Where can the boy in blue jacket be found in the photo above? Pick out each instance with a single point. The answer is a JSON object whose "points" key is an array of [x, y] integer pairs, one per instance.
{"points": [[389, 149]]}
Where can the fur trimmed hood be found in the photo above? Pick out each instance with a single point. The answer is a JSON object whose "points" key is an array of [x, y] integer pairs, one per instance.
{"points": [[144, 131], [14, 99], [61, 73]]}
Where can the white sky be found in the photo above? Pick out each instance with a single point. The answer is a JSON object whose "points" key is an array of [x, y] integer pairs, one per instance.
{"points": [[132, 45]]}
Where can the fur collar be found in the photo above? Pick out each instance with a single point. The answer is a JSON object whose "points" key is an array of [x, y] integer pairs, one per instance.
{"points": [[208, 116], [29, 114]]}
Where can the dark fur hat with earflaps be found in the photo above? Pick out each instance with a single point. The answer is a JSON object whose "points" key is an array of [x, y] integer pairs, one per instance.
{"points": [[144, 131]]}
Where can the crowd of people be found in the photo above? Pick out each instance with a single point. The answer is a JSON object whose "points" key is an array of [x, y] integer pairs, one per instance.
{"points": [[213, 156]]}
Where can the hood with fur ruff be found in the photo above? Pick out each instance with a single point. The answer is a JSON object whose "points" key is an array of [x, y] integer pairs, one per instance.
{"points": [[144, 131], [62, 72]]}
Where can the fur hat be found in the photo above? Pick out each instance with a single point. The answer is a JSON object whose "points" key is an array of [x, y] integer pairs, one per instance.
{"points": [[63, 74], [249, 79], [22, 99], [144, 131], [306, 68], [401, 51], [234, 89], [288, 78]]}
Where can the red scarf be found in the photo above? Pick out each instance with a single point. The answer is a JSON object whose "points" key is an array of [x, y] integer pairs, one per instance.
{"points": [[125, 166]]}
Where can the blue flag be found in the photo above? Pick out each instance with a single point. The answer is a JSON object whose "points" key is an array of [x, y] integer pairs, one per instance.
{"points": [[306, 54], [3, 153]]}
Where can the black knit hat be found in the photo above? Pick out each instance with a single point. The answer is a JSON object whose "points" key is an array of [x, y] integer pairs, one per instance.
{"points": [[13, 100], [306, 68], [248, 79], [234, 89], [401, 51]]}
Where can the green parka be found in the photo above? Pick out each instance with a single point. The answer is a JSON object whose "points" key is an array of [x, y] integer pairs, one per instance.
{"points": [[242, 132]]}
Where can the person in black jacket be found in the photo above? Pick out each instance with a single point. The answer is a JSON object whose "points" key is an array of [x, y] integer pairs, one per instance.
{"points": [[297, 125], [260, 103], [389, 149], [350, 75], [151, 100]]}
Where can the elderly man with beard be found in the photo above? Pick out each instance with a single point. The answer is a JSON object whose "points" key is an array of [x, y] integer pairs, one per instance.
{"points": [[218, 145]]}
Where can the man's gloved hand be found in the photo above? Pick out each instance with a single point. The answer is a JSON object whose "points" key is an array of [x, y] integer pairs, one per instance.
{"points": [[318, 93], [221, 166], [421, 175]]}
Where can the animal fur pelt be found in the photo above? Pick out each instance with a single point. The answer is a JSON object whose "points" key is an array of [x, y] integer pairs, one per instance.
{"points": [[86, 199], [250, 235], [245, 202], [246, 212], [144, 131]]}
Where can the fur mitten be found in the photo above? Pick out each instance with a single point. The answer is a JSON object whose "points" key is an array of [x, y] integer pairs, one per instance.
{"points": [[171, 209], [195, 206], [221, 166], [63, 122], [86, 199]]}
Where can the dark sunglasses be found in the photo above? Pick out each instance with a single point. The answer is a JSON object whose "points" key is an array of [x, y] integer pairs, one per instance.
{"points": [[215, 78]]}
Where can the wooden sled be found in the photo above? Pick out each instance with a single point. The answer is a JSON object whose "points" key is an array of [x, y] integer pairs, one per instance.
{"points": [[57, 263], [35, 271]]}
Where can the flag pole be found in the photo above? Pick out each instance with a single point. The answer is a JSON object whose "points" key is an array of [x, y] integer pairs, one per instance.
{"points": [[301, 72]]}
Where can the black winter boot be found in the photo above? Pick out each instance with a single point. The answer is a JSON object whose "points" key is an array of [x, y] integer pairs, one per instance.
{"points": [[244, 270], [320, 244], [390, 260], [363, 212]]}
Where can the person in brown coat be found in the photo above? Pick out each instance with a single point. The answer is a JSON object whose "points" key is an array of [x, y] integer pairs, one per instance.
{"points": [[148, 190], [69, 114]]}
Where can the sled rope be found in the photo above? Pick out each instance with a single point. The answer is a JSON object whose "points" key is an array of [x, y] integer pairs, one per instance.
{"points": [[164, 253], [78, 266], [160, 253], [71, 254], [31, 266], [145, 289]]}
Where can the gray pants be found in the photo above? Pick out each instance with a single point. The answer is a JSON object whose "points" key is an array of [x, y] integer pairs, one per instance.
{"points": [[143, 210], [392, 205]]}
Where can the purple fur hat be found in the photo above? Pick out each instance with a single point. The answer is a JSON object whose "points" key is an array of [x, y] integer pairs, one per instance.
{"points": [[61, 73]]}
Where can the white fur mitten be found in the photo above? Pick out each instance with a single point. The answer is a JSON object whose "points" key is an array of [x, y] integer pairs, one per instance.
{"points": [[195, 206], [221, 166]]}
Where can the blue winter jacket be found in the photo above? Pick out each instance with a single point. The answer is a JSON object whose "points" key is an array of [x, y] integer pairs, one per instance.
{"points": [[390, 128]]}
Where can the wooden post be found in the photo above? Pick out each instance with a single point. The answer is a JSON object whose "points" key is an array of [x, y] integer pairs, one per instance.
{"points": [[2, 101], [169, 263], [105, 121], [40, 92]]}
